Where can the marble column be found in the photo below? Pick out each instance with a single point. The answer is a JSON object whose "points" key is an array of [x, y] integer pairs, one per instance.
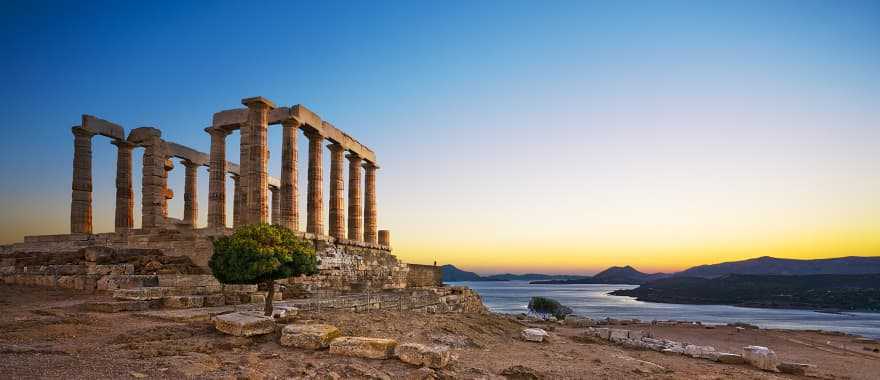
{"points": [[289, 212], [315, 202], [190, 193], [355, 208], [81, 189], [217, 178], [276, 205], [167, 193], [337, 191], [370, 224], [236, 201], [257, 174], [385, 238], [124, 193], [154, 184]]}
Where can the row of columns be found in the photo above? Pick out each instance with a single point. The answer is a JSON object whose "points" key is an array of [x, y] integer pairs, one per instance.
{"points": [[251, 186]]}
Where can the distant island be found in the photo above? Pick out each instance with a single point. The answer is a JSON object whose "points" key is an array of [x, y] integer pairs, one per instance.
{"points": [[613, 275], [837, 292]]}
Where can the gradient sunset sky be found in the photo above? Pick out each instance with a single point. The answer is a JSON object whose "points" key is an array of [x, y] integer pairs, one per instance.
{"points": [[541, 136]]}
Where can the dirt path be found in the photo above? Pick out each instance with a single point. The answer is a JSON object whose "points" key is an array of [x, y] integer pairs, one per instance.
{"points": [[44, 335]]}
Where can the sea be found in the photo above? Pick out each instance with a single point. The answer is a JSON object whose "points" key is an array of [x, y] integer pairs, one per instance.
{"points": [[593, 300]]}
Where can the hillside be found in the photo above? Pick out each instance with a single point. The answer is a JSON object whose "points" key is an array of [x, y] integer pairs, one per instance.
{"points": [[774, 266], [451, 273], [613, 275], [828, 291]]}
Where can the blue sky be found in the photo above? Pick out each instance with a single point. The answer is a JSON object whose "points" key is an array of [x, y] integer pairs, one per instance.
{"points": [[702, 131]]}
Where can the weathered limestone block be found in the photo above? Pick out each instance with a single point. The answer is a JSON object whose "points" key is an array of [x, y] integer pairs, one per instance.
{"points": [[244, 324], [240, 288], [104, 269], [215, 300], [422, 355], [601, 332], [618, 335], [370, 348], [183, 302], [793, 368], [761, 357], [284, 314], [113, 282], [140, 294], [577, 321], [701, 352], [728, 358], [534, 335], [312, 337], [187, 280]]}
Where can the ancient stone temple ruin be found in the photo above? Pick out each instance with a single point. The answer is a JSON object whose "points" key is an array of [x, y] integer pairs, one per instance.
{"points": [[355, 256]]}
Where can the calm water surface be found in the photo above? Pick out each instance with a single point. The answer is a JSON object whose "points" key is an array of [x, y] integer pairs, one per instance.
{"points": [[593, 300]]}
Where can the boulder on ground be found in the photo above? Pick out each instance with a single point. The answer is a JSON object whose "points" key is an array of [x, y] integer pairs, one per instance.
{"points": [[370, 348], [618, 335], [761, 357], [422, 355], [311, 337], [534, 335], [728, 358], [792, 368], [244, 324]]}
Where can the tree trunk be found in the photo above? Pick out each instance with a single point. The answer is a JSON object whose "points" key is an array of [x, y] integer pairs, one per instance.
{"points": [[269, 296]]}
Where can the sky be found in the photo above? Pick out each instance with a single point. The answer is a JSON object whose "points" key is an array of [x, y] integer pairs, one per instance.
{"points": [[513, 136]]}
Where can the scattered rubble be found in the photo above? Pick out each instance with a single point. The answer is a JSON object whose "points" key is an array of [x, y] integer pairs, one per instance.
{"points": [[534, 335], [244, 324], [370, 348]]}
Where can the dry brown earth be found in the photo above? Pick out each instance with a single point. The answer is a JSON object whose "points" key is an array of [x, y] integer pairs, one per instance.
{"points": [[43, 334]]}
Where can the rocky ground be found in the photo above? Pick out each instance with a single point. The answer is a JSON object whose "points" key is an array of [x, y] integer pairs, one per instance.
{"points": [[45, 334]]}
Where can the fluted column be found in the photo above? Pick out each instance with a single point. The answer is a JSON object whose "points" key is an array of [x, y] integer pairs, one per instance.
{"points": [[276, 205], [385, 238], [217, 178], [370, 224], [167, 193], [337, 191], [190, 193], [355, 216], [289, 212], [256, 177], [315, 202], [81, 188], [236, 201], [124, 194], [154, 185]]}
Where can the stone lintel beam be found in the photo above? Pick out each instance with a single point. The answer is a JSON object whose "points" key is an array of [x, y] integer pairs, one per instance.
{"points": [[188, 154], [103, 127]]}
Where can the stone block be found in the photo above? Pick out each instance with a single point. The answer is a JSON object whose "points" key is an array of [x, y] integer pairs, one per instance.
{"points": [[140, 294], [244, 324], [7, 270], [701, 352], [183, 302], [284, 314], [215, 300], [370, 348], [113, 282], [618, 335], [108, 269], [534, 335], [728, 358], [240, 288], [793, 368], [577, 321], [761, 357], [311, 337], [602, 332], [7, 262], [97, 254], [258, 298], [187, 280], [423, 355]]}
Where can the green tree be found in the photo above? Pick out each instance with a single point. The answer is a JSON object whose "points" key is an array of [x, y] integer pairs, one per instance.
{"points": [[547, 306], [261, 254]]}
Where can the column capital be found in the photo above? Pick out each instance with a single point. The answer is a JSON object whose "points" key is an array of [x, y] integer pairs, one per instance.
{"points": [[369, 165], [353, 157], [258, 102], [312, 134], [81, 132], [189, 164], [217, 131], [335, 147], [123, 144], [290, 123]]}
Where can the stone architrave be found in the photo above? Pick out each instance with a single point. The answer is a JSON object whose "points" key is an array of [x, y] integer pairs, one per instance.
{"points": [[81, 194], [370, 223], [315, 201], [256, 173], [355, 208], [217, 178], [276, 205], [190, 193], [337, 192], [124, 194], [289, 212], [236, 201]]}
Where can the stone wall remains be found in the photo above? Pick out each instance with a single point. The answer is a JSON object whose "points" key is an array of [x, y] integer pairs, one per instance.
{"points": [[423, 275]]}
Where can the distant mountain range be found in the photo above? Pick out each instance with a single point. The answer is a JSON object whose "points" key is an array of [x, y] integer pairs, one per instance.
{"points": [[628, 275], [451, 273]]}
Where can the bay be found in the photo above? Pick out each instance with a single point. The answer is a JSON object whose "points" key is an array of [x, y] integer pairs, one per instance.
{"points": [[593, 300]]}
